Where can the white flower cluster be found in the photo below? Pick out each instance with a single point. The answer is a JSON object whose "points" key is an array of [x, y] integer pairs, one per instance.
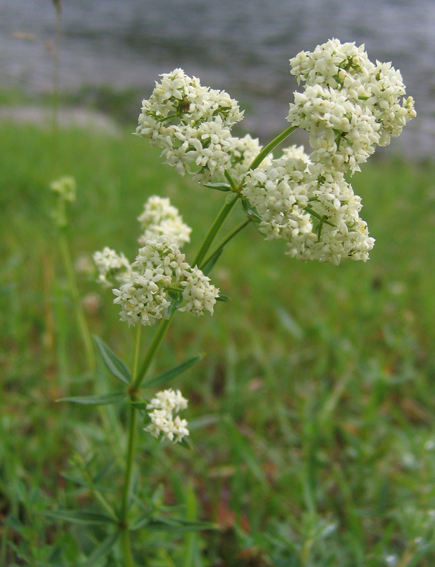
{"points": [[191, 123], [144, 297], [160, 217], [313, 208], [111, 265], [349, 105], [65, 187], [198, 292], [242, 152], [162, 409]]}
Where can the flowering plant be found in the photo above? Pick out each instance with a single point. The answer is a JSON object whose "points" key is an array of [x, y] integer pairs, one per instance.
{"points": [[349, 106]]}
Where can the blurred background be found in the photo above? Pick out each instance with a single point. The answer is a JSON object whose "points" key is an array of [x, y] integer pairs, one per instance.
{"points": [[242, 47], [312, 413]]}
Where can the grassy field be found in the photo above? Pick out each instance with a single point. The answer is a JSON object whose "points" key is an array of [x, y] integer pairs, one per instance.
{"points": [[312, 412]]}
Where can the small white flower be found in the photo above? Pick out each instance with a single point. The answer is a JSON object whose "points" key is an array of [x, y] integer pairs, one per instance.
{"points": [[161, 218], [191, 123], [163, 407], [198, 292], [242, 152], [168, 400], [111, 265], [159, 265], [349, 105], [310, 206], [65, 187]]}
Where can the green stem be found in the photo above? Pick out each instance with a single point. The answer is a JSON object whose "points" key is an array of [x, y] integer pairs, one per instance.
{"points": [[231, 182], [136, 350], [275, 142], [132, 433], [215, 227], [55, 104], [152, 349], [126, 546], [138, 377], [81, 319], [225, 241]]}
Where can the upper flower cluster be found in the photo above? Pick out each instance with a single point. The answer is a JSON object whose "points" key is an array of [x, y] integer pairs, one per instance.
{"points": [[159, 269], [349, 105], [191, 123], [242, 152], [313, 208]]}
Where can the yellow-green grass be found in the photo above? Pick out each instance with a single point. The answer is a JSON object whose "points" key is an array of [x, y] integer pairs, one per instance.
{"points": [[315, 439]]}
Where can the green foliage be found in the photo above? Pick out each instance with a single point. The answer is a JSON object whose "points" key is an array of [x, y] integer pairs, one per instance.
{"points": [[314, 416], [113, 363], [82, 518], [103, 400], [225, 187], [168, 375]]}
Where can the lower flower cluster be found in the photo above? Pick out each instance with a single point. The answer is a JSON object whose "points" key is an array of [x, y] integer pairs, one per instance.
{"points": [[161, 412], [160, 273], [160, 217], [160, 276]]}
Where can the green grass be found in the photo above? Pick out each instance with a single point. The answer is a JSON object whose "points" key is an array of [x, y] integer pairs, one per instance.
{"points": [[314, 407]]}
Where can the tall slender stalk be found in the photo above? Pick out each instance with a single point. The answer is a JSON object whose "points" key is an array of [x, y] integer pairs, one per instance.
{"points": [[225, 241], [139, 375], [152, 349], [272, 145], [81, 319], [215, 227], [55, 99]]}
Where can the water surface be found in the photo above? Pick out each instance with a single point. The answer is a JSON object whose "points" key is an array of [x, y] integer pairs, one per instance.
{"points": [[241, 46]]}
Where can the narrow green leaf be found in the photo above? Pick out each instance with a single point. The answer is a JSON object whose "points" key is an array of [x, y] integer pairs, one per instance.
{"points": [[56, 555], [175, 304], [204, 421], [218, 186], [176, 525], [140, 522], [15, 524], [174, 293], [83, 518], [190, 524], [242, 449], [101, 550], [207, 268], [112, 362], [251, 211], [75, 479], [103, 400], [170, 374], [184, 443], [222, 297], [140, 406], [289, 323], [103, 471]]}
